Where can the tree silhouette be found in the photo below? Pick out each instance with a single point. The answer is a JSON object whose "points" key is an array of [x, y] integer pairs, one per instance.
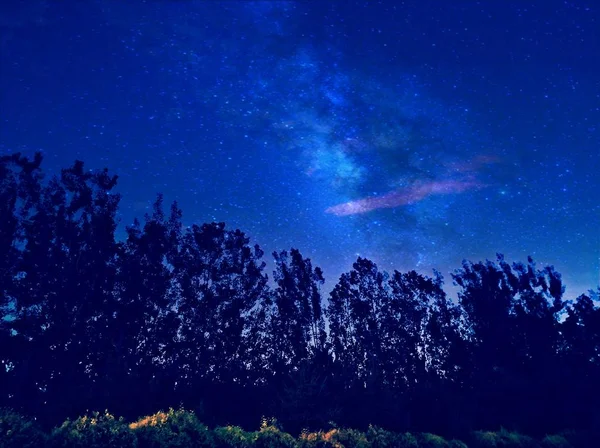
{"points": [[580, 363], [219, 282], [298, 341], [19, 193], [357, 324], [140, 354], [173, 315], [486, 295], [298, 325], [63, 287]]}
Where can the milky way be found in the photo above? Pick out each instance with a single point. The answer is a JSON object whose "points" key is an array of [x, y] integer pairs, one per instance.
{"points": [[415, 135]]}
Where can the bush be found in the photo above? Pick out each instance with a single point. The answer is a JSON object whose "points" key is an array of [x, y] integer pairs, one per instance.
{"points": [[17, 431], [580, 439], [406, 440], [428, 440], [271, 436], [172, 429], [314, 440], [335, 438], [484, 439], [457, 444], [351, 438], [501, 439], [232, 437], [556, 441], [380, 438], [510, 439], [91, 431]]}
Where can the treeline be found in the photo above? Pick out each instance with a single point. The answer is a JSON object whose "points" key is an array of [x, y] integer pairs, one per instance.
{"points": [[176, 315], [182, 429]]}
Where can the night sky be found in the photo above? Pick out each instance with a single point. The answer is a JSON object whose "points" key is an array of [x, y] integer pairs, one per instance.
{"points": [[414, 133]]}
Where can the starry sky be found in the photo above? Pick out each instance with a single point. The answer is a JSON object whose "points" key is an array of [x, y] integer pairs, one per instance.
{"points": [[415, 133]]}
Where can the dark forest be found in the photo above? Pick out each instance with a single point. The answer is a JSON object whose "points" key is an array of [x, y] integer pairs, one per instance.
{"points": [[189, 316]]}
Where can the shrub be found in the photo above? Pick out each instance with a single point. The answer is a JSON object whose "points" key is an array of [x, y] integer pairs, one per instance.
{"points": [[484, 439], [580, 439], [501, 439], [406, 440], [172, 429], [556, 441], [314, 440], [351, 438], [457, 444], [427, 440], [91, 431], [232, 437], [510, 439], [271, 436], [17, 431], [380, 438], [334, 438]]}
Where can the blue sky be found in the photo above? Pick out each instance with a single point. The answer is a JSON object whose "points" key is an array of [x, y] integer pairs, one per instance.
{"points": [[414, 133]]}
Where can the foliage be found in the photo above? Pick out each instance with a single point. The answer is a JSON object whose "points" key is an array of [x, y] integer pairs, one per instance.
{"points": [[181, 428], [501, 439], [555, 441], [232, 437], [428, 440], [175, 315], [457, 444], [271, 436], [351, 438], [335, 438], [93, 431], [175, 428], [16, 431], [380, 438], [577, 439]]}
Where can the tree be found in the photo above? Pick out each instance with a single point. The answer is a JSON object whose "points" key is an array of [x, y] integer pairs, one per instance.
{"points": [[487, 298], [20, 186], [219, 282], [444, 344], [63, 288], [356, 317], [144, 326], [298, 321], [172, 316], [580, 363], [536, 311], [512, 317], [299, 353], [441, 403], [404, 319]]}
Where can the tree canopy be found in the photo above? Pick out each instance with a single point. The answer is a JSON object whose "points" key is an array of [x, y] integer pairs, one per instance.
{"points": [[186, 315]]}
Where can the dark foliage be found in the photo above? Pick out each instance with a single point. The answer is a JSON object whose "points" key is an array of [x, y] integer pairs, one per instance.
{"points": [[186, 316]]}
